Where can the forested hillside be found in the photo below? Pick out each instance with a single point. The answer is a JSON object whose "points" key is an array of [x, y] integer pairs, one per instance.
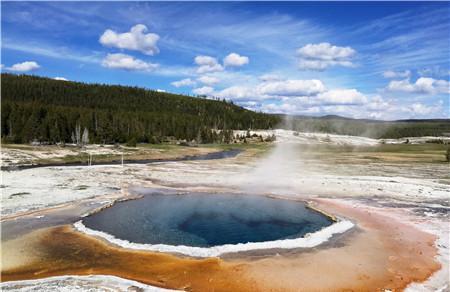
{"points": [[44, 109], [371, 128]]}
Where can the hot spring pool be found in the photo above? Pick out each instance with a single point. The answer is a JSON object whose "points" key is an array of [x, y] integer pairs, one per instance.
{"points": [[206, 220]]}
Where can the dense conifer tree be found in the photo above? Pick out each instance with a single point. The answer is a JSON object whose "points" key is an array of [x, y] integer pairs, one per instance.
{"points": [[44, 109]]}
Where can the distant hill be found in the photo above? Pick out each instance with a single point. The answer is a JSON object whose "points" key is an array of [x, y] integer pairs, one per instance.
{"points": [[371, 128], [51, 110]]}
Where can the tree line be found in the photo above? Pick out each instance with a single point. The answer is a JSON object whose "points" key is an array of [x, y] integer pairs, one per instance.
{"points": [[54, 111], [371, 128]]}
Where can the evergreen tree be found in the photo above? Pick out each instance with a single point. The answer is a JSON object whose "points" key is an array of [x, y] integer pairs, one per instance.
{"points": [[54, 111]]}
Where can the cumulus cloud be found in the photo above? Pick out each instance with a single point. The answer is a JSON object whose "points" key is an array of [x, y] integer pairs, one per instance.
{"points": [[342, 96], [292, 87], [208, 80], [378, 104], [205, 90], [205, 61], [396, 74], [60, 78], [207, 64], [365, 107], [284, 108], [293, 96], [136, 39], [420, 109], [401, 85], [333, 97], [24, 66], [310, 97], [324, 55], [127, 62], [239, 92], [184, 82], [273, 89], [424, 85], [345, 102], [235, 60], [325, 51]]}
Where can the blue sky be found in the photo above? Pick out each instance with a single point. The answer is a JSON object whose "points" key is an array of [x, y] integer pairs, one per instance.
{"points": [[384, 60]]}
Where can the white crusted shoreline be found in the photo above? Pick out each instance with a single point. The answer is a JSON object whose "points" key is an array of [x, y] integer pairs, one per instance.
{"points": [[79, 283], [308, 241]]}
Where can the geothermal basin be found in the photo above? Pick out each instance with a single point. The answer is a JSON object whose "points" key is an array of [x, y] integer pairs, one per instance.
{"points": [[200, 224]]}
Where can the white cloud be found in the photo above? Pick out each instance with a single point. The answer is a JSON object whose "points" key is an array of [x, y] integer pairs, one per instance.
{"points": [[235, 60], [324, 55], [273, 89], [160, 90], [325, 51], [423, 85], [419, 109], [269, 77], [136, 39], [239, 92], [24, 66], [333, 104], [291, 87], [294, 97], [378, 104], [396, 74], [205, 61], [184, 82], [127, 62], [342, 96], [60, 78], [401, 85], [207, 64], [208, 80], [209, 69], [354, 105], [284, 108], [205, 90]]}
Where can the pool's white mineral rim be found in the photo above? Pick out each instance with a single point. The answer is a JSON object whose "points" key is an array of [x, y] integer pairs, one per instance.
{"points": [[308, 241], [79, 283]]}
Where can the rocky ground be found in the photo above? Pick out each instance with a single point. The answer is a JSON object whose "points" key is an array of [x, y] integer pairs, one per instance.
{"points": [[411, 183]]}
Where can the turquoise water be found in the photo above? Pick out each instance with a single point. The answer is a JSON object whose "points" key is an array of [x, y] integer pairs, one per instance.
{"points": [[206, 220]]}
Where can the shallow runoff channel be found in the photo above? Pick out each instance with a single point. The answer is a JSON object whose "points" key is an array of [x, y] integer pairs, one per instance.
{"points": [[208, 156]]}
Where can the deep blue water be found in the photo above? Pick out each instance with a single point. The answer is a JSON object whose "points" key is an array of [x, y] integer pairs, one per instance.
{"points": [[206, 219]]}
